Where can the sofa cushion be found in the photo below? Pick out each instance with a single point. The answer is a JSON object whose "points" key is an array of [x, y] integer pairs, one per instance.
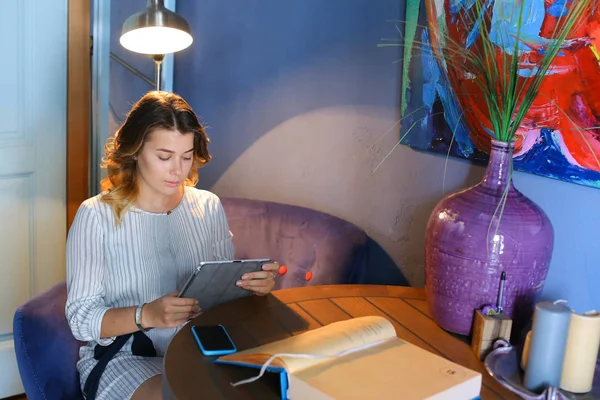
{"points": [[306, 241]]}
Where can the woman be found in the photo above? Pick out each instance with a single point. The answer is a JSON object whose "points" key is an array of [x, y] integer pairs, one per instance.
{"points": [[133, 246]]}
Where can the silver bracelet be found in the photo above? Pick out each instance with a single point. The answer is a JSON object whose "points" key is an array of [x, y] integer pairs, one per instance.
{"points": [[138, 318]]}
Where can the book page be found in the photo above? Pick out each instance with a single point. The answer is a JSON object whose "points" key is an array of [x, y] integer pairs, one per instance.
{"points": [[394, 369], [327, 340]]}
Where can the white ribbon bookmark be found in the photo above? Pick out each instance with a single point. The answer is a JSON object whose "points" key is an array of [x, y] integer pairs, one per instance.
{"points": [[313, 356]]}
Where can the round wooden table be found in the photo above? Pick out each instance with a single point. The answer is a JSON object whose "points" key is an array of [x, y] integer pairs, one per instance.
{"points": [[253, 321]]}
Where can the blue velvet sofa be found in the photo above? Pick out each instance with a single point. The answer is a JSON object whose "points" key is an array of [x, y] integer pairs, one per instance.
{"points": [[316, 248]]}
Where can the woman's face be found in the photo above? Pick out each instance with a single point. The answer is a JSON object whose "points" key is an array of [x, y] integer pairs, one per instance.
{"points": [[164, 162]]}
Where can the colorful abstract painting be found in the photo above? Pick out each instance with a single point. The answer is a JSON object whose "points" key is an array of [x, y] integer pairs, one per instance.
{"points": [[558, 138]]}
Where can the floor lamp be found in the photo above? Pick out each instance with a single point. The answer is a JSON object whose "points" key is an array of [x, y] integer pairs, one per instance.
{"points": [[156, 31]]}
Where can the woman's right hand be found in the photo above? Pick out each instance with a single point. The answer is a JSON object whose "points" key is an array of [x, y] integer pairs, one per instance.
{"points": [[169, 311]]}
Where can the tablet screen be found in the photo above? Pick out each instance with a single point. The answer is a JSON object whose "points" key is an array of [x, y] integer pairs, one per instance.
{"points": [[213, 283]]}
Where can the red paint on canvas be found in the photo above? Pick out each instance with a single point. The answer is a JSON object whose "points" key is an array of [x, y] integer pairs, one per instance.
{"points": [[569, 97]]}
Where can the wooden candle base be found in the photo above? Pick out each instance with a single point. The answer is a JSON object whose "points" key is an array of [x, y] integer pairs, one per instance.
{"points": [[487, 329]]}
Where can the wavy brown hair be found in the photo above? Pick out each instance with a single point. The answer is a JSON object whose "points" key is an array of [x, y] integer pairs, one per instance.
{"points": [[153, 111]]}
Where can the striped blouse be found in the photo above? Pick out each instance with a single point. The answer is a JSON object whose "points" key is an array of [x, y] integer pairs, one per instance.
{"points": [[146, 257]]}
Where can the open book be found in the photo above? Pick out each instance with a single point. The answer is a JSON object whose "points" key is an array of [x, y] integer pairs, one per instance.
{"points": [[374, 364]]}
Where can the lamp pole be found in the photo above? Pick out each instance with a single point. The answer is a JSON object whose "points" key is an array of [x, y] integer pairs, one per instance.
{"points": [[158, 59]]}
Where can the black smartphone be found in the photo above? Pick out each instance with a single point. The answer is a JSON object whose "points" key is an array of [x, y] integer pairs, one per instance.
{"points": [[213, 340]]}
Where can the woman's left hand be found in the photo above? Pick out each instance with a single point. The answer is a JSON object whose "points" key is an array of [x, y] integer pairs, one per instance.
{"points": [[260, 282]]}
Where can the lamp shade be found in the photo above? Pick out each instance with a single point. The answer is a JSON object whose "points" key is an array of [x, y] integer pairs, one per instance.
{"points": [[155, 30]]}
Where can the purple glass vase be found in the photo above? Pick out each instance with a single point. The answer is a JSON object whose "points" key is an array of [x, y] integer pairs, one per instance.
{"points": [[471, 240]]}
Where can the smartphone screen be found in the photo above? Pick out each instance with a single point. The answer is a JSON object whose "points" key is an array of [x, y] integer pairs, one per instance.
{"points": [[213, 338]]}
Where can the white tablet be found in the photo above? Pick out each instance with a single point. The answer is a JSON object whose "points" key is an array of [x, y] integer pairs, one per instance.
{"points": [[213, 282]]}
